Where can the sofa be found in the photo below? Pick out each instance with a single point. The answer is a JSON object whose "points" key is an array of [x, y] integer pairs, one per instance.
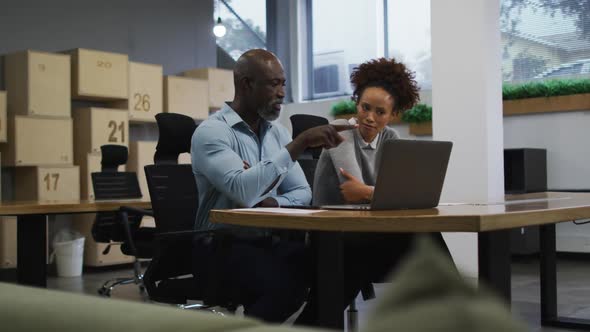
{"points": [[427, 294]]}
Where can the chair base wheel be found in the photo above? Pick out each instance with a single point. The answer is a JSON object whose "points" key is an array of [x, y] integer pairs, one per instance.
{"points": [[103, 291]]}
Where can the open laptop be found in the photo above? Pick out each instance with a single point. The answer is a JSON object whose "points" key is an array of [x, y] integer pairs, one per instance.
{"points": [[411, 176]]}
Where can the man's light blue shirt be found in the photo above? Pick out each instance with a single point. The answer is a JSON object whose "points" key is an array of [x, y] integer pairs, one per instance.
{"points": [[221, 144]]}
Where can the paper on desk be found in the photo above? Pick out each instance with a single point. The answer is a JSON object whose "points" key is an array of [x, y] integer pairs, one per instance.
{"points": [[279, 210]]}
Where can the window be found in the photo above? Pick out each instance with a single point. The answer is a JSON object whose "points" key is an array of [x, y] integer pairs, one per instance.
{"points": [[545, 39], [245, 21], [325, 79], [343, 35], [408, 37]]}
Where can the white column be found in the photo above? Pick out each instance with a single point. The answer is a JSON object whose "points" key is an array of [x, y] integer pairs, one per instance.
{"points": [[467, 108]]}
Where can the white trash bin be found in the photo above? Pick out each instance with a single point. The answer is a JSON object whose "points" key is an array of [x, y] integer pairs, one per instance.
{"points": [[68, 250]]}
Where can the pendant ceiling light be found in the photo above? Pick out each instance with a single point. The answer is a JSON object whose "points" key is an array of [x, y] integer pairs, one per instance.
{"points": [[219, 29]]}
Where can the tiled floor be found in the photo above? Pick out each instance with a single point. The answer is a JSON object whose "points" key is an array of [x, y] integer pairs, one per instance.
{"points": [[573, 280], [573, 289]]}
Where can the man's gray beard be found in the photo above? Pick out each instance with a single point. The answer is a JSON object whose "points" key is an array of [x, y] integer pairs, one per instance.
{"points": [[269, 114]]}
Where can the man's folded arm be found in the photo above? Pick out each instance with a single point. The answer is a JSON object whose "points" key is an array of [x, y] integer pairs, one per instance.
{"points": [[294, 190], [224, 168]]}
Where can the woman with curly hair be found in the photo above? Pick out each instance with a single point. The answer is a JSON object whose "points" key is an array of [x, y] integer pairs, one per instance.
{"points": [[347, 173]]}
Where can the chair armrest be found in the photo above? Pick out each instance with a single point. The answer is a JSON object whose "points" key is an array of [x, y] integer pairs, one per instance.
{"points": [[123, 215], [131, 209]]}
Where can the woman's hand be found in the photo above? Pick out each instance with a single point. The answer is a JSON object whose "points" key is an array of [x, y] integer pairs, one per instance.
{"points": [[353, 190]]}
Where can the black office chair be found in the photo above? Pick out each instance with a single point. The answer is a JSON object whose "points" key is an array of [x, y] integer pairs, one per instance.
{"points": [[174, 198], [121, 227], [309, 160], [302, 122]]}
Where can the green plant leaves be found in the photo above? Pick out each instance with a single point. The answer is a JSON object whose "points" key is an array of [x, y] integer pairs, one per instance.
{"points": [[545, 89], [344, 107], [417, 114]]}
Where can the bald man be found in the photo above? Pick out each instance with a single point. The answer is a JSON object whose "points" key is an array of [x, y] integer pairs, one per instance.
{"points": [[240, 158]]}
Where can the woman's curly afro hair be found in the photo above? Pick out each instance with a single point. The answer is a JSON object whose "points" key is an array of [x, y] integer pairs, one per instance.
{"points": [[390, 75]]}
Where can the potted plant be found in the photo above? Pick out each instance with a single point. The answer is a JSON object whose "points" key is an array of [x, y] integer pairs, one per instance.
{"points": [[420, 119], [547, 96], [344, 109]]}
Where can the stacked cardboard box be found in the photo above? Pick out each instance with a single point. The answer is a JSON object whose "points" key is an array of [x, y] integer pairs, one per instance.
{"points": [[39, 138]]}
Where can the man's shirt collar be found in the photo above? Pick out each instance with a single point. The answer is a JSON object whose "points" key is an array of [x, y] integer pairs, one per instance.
{"points": [[232, 117]]}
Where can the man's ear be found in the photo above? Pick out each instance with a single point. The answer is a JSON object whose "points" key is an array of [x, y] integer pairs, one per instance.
{"points": [[246, 83]]}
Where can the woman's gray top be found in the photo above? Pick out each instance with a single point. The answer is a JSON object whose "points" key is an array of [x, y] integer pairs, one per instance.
{"points": [[354, 156]]}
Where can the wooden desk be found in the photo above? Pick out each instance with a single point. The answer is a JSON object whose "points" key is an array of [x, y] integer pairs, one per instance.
{"points": [[491, 222], [32, 225]]}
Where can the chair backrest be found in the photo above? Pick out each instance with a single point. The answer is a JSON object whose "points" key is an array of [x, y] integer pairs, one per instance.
{"points": [[172, 187], [175, 134], [111, 184], [302, 122], [120, 185], [308, 166], [174, 196], [112, 156]]}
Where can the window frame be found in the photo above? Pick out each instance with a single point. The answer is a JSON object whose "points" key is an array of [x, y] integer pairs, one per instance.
{"points": [[305, 31]]}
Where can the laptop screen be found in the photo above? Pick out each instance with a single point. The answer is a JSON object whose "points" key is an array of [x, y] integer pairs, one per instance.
{"points": [[410, 175]]}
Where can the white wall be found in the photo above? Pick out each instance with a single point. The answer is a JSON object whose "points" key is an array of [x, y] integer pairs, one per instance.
{"points": [[565, 137]]}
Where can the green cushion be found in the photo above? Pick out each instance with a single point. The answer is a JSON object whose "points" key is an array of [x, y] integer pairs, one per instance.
{"points": [[428, 294], [34, 309]]}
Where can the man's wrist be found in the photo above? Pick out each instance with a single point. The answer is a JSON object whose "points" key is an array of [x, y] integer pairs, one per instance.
{"points": [[296, 147]]}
